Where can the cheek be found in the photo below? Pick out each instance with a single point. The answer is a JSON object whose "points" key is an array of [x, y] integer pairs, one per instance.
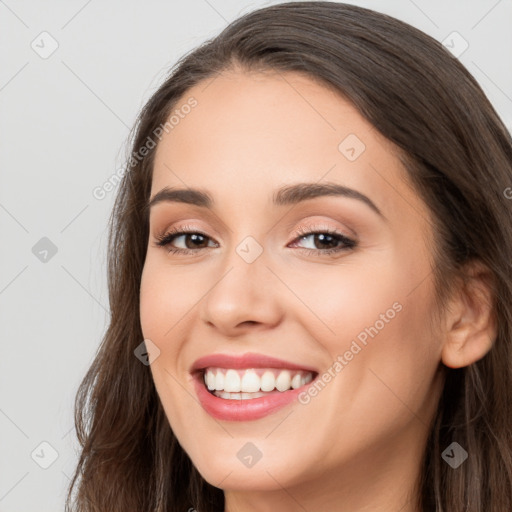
{"points": [[377, 319], [165, 301], [339, 302], [165, 298]]}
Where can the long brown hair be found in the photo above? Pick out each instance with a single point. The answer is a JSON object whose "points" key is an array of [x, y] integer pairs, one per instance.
{"points": [[458, 155]]}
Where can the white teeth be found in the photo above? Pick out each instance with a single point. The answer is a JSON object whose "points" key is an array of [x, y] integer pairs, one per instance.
{"points": [[210, 380], [219, 381], [283, 381], [237, 383], [296, 381], [238, 396], [268, 381], [231, 381], [250, 382]]}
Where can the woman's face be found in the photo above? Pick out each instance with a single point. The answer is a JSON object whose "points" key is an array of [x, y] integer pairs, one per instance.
{"points": [[357, 318]]}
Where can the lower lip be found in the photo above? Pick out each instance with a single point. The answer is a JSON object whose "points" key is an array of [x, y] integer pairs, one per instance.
{"points": [[243, 410]]}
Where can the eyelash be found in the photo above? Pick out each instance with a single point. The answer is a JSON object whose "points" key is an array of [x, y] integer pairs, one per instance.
{"points": [[165, 239]]}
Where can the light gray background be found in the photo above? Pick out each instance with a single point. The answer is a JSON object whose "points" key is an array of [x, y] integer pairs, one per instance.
{"points": [[64, 123]]}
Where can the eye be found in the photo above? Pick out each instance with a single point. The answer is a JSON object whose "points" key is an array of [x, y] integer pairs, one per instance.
{"points": [[336, 242], [197, 240]]}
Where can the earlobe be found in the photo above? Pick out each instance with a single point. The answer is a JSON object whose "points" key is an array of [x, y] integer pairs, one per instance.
{"points": [[470, 324]]}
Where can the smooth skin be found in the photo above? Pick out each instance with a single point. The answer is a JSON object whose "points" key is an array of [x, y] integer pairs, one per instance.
{"points": [[357, 445]]}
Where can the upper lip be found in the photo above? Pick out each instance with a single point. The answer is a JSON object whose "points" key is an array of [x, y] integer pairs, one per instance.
{"points": [[248, 360]]}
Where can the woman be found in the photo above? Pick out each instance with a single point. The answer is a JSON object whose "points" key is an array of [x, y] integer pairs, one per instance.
{"points": [[310, 281]]}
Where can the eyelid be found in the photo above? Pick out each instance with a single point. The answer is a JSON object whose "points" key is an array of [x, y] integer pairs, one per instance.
{"points": [[180, 230], [317, 222], [302, 231], [160, 223], [319, 226]]}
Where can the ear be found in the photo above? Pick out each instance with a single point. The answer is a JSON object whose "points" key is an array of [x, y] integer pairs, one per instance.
{"points": [[470, 321]]}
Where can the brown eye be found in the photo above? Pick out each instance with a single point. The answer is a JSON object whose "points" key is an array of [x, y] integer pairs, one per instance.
{"points": [[325, 241], [192, 239]]}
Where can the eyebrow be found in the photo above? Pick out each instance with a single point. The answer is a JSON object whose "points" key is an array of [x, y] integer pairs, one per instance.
{"points": [[287, 195]]}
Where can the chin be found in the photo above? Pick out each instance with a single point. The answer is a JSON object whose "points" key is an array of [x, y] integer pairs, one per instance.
{"points": [[271, 475]]}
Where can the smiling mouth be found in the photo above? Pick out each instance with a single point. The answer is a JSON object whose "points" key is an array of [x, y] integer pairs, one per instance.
{"points": [[250, 383]]}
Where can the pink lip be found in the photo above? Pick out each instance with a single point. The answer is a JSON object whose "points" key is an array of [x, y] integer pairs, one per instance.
{"points": [[244, 410], [249, 360]]}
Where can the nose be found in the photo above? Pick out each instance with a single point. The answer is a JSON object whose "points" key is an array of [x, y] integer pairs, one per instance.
{"points": [[243, 296]]}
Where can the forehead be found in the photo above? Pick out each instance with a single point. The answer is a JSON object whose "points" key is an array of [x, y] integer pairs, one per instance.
{"points": [[253, 132]]}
